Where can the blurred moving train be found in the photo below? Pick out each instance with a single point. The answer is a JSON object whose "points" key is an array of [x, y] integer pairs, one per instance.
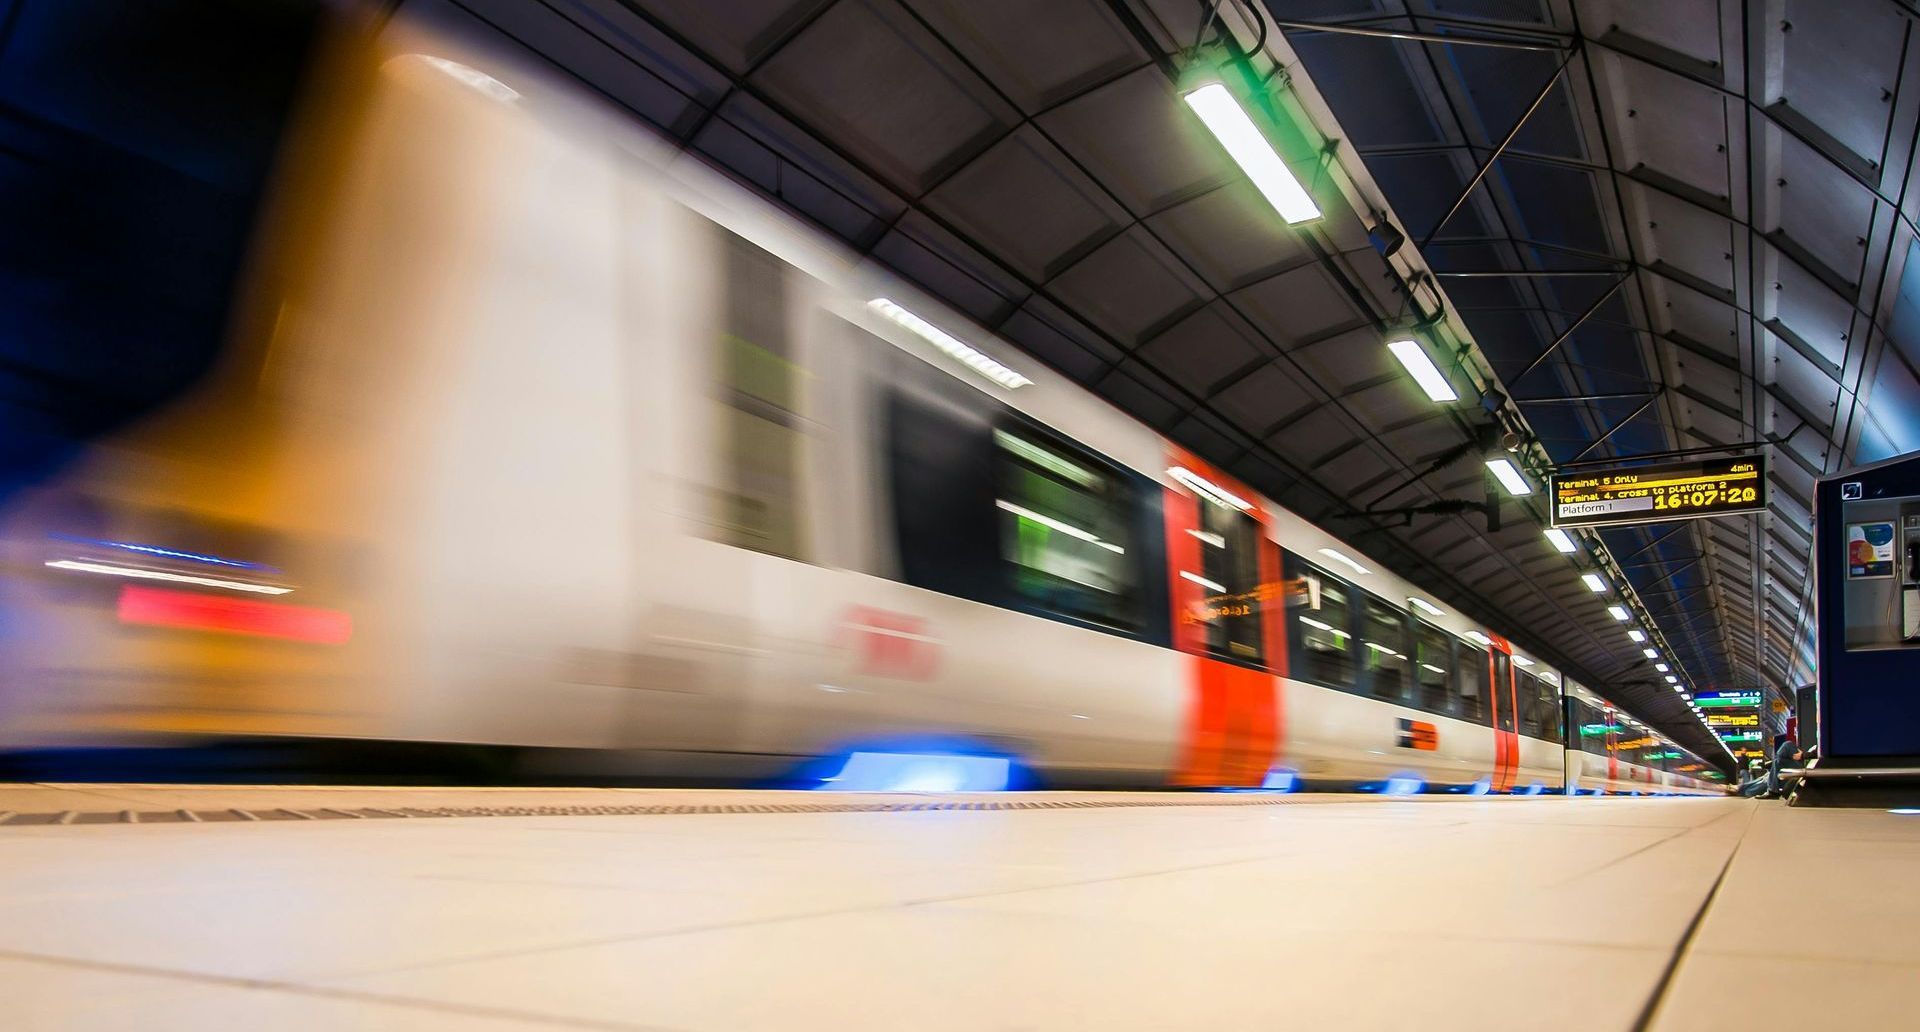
{"points": [[534, 432]]}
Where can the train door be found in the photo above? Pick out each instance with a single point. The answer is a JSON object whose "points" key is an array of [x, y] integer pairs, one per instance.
{"points": [[1569, 746], [714, 322], [1228, 617], [1611, 720], [1504, 697]]}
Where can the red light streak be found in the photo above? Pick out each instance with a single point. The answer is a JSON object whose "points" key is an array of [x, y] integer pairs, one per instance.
{"points": [[186, 610]]}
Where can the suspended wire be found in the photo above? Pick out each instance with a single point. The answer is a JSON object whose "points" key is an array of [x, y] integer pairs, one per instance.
{"points": [[1210, 13]]}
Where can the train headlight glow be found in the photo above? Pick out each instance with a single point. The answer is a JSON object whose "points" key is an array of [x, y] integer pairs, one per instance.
{"points": [[953, 347]]}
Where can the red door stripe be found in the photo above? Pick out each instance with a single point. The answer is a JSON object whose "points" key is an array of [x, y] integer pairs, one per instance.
{"points": [[1235, 713]]}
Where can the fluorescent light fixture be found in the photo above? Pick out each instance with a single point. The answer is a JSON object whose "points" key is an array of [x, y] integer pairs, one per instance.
{"points": [[1421, 368], [1341, 557], [1509, 476], [1650, 653], [137, 573], [1662, 667], [1672, 679], [1561, 540], [1065, 528], [1481, 638], [1426, 607], [1208, 489], [1249, 149], [1637, 635], [1430, 666], [1594, 582], [952, 346], [1619, 613], [1522, 661], [1203, 582]]}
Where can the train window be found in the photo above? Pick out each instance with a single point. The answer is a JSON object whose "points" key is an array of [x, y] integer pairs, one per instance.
{"points": [[1318, 612], [1593, 729], [1503, 694], [1065, 530], [1470, 682], [1383, 647], [1547, 710], [1526, 700], [759, 389], [1432, 655], [1230, 572]]}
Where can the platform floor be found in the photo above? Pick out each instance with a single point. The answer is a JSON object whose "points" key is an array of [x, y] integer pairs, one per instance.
{"points": [[1112, 911]]}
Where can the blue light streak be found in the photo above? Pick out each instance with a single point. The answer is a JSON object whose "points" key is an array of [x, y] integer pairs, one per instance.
{"points": [[1404, 783], [166, 553], [920, 772], [1280, 779]]}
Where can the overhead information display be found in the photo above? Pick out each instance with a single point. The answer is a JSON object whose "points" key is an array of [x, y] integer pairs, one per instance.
{"points": [[1668, 491]]}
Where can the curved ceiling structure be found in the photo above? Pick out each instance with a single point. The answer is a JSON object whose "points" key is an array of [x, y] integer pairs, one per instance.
{"points": [[1697, 239]]}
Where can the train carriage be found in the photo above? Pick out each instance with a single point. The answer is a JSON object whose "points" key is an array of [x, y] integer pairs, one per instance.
{"points": [[537, 433]]}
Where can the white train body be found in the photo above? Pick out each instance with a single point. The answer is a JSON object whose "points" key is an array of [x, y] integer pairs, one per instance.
{"points": [[495, 462]]}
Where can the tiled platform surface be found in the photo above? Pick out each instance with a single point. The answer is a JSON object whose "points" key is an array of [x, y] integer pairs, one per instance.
{"points": [[1262, 913]]}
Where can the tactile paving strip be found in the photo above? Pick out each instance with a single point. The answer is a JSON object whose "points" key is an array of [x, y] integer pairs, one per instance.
{"points": [[57, 818]]}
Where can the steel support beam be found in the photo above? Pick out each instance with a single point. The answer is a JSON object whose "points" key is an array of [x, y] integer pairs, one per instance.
{"points": [[1417, 37], [1539, 99], [1526, 273], [1602, 439], [1567, 399], [1675, 453], [1567, 333]]}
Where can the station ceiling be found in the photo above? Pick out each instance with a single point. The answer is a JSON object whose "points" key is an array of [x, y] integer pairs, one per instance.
{"points": [[1693, 239]]}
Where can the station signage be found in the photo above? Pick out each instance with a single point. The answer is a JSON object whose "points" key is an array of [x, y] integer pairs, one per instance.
{"points": [[1740, 736], [1733, 720], [1727, 700], [1650, 494]]}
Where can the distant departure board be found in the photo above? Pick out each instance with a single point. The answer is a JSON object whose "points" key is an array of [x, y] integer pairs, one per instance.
{"points": [[1669, 491]]}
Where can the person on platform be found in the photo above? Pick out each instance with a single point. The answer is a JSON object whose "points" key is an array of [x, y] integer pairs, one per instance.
{"points": [[1784, 754]]}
